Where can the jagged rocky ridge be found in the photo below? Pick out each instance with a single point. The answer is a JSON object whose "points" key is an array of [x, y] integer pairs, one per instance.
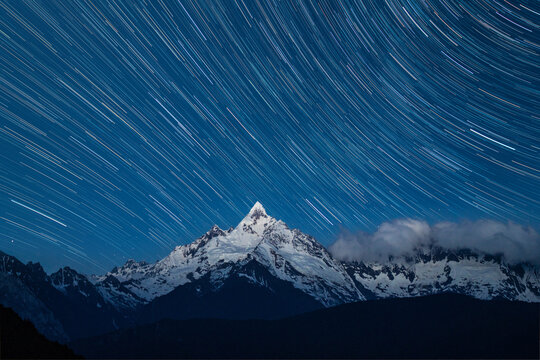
{"points": [[434, 270], [261, 258]]}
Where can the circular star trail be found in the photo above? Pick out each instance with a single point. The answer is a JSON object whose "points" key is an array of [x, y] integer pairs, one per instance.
{"points": [[128, 127]]}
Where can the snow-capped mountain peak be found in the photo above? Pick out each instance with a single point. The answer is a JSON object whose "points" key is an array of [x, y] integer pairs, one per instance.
{"points": [[288, 254], [256, 221], [257, 210]]}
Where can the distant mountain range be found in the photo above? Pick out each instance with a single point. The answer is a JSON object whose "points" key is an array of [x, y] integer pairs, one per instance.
{"points": [[259, 269]]}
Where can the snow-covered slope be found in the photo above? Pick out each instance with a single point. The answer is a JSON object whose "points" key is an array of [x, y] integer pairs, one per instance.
{"points": [[435, 270], [293, 256], [288, 254]]}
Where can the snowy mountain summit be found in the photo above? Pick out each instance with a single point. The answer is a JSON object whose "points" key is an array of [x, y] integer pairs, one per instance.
{"points": [[287, 254], [262, 250]]}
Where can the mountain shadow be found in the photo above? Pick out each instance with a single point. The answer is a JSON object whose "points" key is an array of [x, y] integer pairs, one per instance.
{"points": [[248, 292]]}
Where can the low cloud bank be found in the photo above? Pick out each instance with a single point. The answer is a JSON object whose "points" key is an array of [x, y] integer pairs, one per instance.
{"points": [[402, 237]]}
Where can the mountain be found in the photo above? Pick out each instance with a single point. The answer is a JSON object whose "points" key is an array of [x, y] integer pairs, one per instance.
{"points": [[77, 288], [259, 269], [435, 270], [63, 306], [19, 339], [436, 326], [258, 241], [116, 293]]}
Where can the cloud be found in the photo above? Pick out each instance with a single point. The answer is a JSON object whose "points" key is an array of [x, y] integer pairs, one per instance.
{"points": [[517, 243], [391, 239]]}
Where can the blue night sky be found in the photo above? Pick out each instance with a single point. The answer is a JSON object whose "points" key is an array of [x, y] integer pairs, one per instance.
{"points": [[129, 127]]}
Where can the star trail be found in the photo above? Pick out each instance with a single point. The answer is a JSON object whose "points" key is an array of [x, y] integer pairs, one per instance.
{"points": [[129, 127]]}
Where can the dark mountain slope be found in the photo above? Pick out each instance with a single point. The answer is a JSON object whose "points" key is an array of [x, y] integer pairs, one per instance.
{"points": [[19, 339], [438, 326], [248, 292]]}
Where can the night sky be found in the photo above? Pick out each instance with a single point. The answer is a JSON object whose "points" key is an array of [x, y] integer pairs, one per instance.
{"points": [[129, 127]]}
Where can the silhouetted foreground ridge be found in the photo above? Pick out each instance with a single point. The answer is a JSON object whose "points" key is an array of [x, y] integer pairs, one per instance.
{"points": [[438, 326], [19, 339]]}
